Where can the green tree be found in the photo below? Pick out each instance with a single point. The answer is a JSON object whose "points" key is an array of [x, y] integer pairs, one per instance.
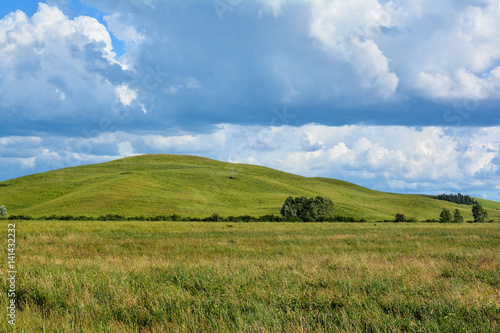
{"points": [[322, 207], [457, 217], [445, 216], [288, 209], [3, 212], [479, 213], [307, 209], [399, 218]]}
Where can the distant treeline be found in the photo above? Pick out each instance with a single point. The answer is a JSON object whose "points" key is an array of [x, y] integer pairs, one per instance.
{"points": [[457, 198], [176, 217]]}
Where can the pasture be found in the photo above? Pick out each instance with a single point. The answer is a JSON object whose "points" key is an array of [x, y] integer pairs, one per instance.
{"points": [[254, 277]]}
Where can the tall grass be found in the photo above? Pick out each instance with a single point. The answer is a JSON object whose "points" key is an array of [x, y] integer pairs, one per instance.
{"points": [[256, 277]]}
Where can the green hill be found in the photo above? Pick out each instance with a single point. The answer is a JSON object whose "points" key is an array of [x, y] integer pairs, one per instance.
{"points": [[198, 187]]}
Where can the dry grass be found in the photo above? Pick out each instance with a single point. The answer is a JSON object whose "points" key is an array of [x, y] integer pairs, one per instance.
{"points": [[256, 277]]}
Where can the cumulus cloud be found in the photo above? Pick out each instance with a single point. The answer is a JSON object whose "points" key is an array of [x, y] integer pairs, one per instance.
{"points": [[332, 62], [54, 68], [67, 99], [346, 30], [448, 52]]}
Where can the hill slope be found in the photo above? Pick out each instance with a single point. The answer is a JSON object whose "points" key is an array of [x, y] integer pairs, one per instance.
{"points": [[198, 187]]}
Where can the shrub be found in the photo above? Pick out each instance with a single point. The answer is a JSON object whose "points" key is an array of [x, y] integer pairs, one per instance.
{"points": [[399, 218], [214, 218], [20, 217]]}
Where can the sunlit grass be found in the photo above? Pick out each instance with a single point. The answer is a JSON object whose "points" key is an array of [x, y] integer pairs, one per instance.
{"points": [[257, 277], [197, 187]]}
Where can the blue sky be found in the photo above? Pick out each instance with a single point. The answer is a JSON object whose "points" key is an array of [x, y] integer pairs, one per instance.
{"points": [[393, 95]]}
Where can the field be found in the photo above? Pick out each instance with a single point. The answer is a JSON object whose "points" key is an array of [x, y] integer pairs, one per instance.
{"points": [[199, 187], [255, 277]]}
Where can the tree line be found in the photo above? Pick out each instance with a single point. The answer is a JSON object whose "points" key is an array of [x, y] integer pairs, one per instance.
{"points": [[176, 217], [298, 209], [458, 199], [478, 212]]}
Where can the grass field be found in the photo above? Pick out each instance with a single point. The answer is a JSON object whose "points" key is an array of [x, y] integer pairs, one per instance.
{"points": [[199, 187], [255, 277]]}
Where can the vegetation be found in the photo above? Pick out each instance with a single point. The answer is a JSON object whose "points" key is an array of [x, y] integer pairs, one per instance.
{"points": [[259, 277], [400, 218], [307, 209], [457, 217], [165, 185], [176, 217], [3, 212], [458, 198], [445, 216], [479, 213]]}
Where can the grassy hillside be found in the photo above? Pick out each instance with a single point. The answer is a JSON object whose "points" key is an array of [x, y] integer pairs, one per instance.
{"points": [[199, 187]]}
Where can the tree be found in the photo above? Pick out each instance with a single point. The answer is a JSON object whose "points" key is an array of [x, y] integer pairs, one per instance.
{"points": [[457, 198], [3, 212], [479, 213], [322, 207], [400, 218], [307, 209], [445, 216], [288, 209], [457, 217]]}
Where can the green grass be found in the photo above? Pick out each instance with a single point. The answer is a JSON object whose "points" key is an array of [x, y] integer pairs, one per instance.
{"points": [[256, 277], [199, 187]]}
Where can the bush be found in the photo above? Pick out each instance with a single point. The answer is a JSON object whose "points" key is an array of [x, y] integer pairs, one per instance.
{"points": [[111, 217], [214, 218], [175, 217], [20, 217], [399, 218]]}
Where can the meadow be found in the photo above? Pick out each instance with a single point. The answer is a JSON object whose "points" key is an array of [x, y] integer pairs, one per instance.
{"points": [[255, 277]]}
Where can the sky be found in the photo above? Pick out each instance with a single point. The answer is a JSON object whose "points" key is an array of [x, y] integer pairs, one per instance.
{"points": [[399, 96]]}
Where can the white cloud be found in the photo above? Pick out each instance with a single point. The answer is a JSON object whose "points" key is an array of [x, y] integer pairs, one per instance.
{"points": [[19, 162], [450, 51], [20, 141], [122, 30], [189, 143], [346, 30], [126, 95], [125, 149], [53, 67]]}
